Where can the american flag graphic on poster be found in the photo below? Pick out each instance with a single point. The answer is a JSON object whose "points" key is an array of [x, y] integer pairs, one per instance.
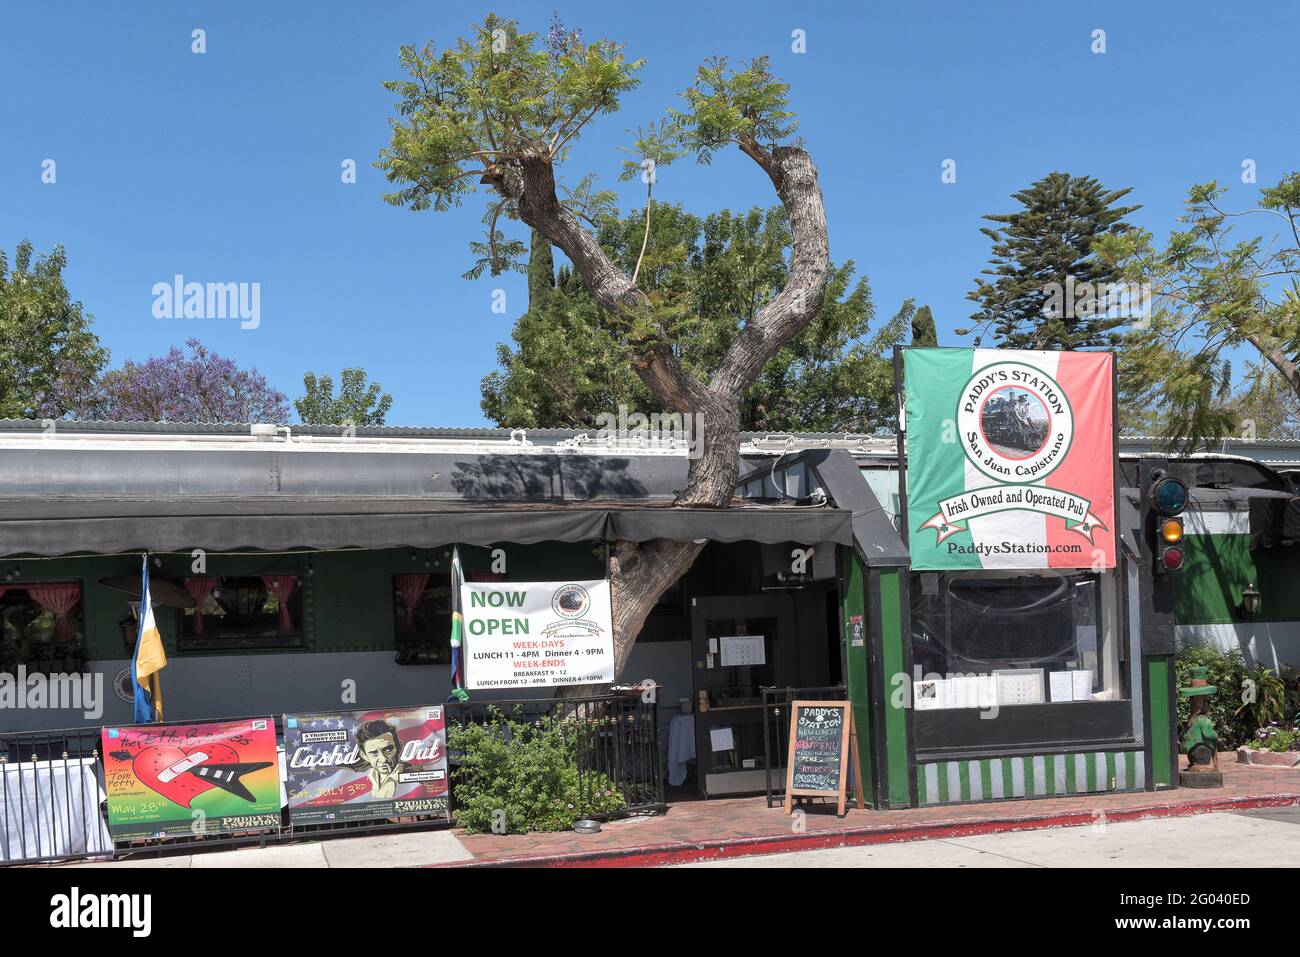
{"points": [[366, 765]]}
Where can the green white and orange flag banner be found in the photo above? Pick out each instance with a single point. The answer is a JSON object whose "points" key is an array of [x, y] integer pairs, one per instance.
{"points": [[1010, 458]]}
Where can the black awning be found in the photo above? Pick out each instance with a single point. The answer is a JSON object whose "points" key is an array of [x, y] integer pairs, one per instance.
{"points": [[281, 523]]}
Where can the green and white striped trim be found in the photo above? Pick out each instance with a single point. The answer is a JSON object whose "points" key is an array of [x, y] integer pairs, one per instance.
{"points": [[1043, 775]]}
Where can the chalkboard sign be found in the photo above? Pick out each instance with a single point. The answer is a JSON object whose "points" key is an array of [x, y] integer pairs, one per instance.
{"points": [[818, 758]]}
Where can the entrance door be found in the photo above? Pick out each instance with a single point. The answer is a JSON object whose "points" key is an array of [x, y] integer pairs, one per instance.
{"points": [[738, 645]]}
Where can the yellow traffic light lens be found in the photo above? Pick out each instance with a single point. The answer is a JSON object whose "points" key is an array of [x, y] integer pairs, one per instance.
{"points": [[1171, 530]]}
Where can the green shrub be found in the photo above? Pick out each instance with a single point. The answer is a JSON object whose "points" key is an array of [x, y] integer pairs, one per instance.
{"points": [[1227, 672], [1276, 739], [522, 775]]}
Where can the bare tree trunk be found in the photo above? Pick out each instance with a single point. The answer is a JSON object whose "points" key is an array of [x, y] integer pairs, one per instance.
{"points": [[642, 572], [1270, 351]]}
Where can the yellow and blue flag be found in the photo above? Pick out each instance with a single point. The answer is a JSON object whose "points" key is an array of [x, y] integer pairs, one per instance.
{"points": [[150, 658]]}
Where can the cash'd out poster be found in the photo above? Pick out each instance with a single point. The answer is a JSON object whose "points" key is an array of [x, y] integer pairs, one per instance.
{"points": [[166, 779], [366, 765], [1010, 458], [537, 634]]}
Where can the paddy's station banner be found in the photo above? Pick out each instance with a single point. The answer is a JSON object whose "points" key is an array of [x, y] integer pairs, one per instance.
{"points": [[537, 634], [366, 765], [1010, 458], [168, 779]]}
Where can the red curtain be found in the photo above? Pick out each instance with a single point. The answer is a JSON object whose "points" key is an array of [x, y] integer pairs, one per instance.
{"points": [[199, 589], [410, 588], [59, 599], [281, 586]]}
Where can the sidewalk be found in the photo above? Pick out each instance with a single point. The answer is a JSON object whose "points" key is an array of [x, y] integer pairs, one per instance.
{"points": [[709, 830], [714, 830]]}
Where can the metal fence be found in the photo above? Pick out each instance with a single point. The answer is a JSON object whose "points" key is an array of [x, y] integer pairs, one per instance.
{"points": [[776, 729], [616, 740], [53, 805], [51, 797]]}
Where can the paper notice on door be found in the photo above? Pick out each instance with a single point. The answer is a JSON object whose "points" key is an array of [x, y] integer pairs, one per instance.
{"points": [[721, 739], [743, 650], [1082, 684]]}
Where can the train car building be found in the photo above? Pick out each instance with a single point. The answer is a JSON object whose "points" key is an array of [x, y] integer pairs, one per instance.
{"points": [[288, 562]]}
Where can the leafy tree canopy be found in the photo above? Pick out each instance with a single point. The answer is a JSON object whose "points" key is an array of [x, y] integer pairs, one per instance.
{"points": [[1213, 293], [707, 277], [1039, 251], [199, 387], [356, 404], [48, 354]]}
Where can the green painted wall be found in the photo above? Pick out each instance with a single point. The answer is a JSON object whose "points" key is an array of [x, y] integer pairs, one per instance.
{"points": [[1216, 569], [1029, 776], [1163, 760], [856, 661], [348, 600], [892, 657]]}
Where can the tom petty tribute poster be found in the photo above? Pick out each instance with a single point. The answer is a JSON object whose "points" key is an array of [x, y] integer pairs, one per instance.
{"points": [[1010, 458], [216, 778], [366, 765]]}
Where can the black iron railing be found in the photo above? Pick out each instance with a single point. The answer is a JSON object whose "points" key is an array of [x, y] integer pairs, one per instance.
{"points": [[53, 805], [616, 740], [51, 797]]}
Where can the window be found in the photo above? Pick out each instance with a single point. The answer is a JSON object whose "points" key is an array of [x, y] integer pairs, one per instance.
{"points": [[989, 638], [422, 607], [254, 611], [41, 627]]}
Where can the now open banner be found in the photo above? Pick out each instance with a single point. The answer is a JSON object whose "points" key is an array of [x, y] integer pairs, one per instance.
{"points": [[1010, 458], [537, 634]]}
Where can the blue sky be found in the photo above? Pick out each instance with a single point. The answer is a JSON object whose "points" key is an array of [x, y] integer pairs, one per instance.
{"points": [[225, 166]]}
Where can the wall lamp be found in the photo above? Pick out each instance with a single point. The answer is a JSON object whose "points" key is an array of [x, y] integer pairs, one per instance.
{"points": [[1249, 606]]}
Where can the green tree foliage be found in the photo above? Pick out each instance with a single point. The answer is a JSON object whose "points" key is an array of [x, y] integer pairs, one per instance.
{"points": [[1266, 406], [1038, 250], [923, 331], [49, 357], [356, 404], [707, 277], [1213, 294], [541, 271], [502, 110]]}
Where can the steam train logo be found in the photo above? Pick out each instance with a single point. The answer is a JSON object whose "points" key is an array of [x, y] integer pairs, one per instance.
{"points": [[1015, 422]]}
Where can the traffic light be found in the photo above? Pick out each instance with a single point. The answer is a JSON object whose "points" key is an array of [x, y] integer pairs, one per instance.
{"points": [[1168, 497]]}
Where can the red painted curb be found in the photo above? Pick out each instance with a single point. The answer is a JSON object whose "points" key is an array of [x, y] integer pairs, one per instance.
{"points": [[656, 855]]}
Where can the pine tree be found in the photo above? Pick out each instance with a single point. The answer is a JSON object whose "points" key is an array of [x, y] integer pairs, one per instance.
{"points": [[923, 331], [1044, 267], [541, 271]]}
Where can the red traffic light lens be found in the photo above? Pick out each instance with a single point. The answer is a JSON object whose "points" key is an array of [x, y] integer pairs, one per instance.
{"points": [[1172, 558]]}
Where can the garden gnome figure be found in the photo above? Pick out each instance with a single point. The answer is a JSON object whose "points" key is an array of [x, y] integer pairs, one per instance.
{"points": [[1201, 742]]}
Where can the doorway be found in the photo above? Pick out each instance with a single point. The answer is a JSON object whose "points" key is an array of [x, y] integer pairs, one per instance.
{"points": [[739, 645]]}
